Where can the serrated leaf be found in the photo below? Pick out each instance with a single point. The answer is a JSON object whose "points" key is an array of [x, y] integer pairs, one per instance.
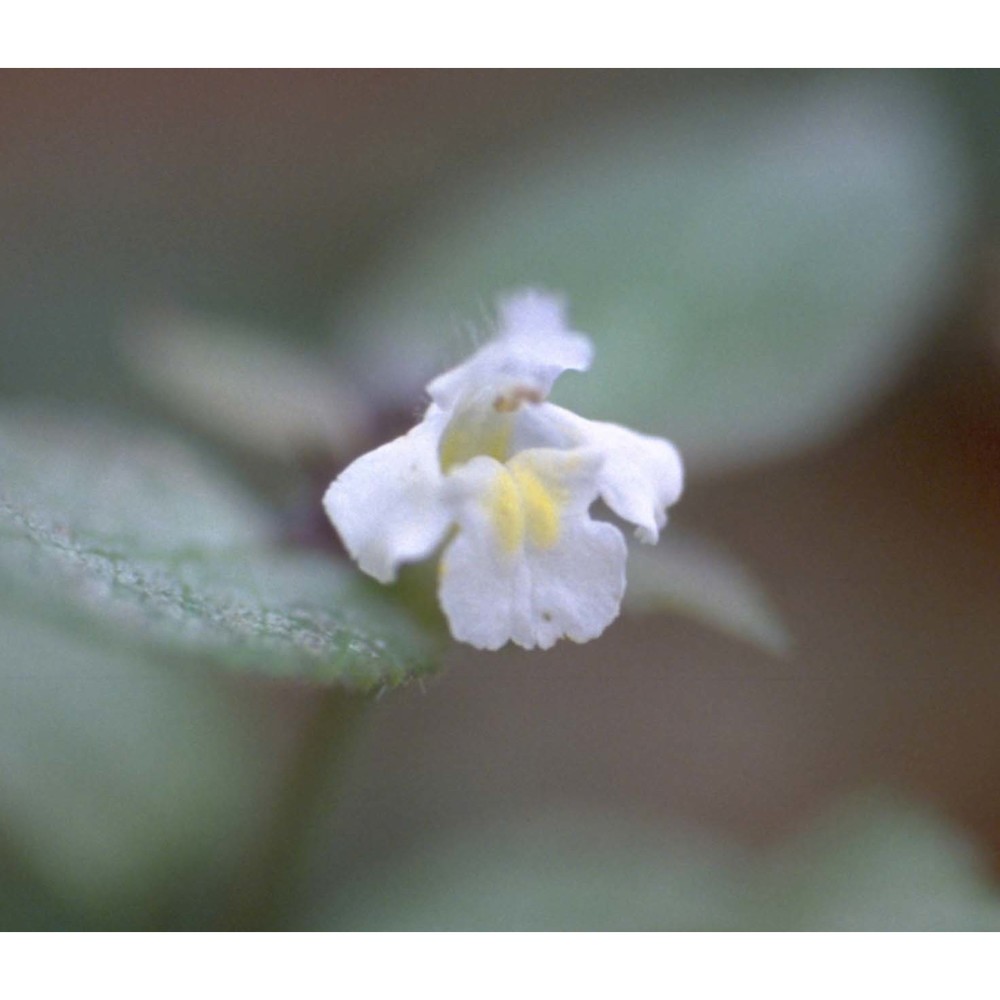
{"points": [[755, 265], [687, 575], [134, 536]]}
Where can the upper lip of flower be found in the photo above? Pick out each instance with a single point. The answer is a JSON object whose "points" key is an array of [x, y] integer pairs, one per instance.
{"points": [[516, 476]]}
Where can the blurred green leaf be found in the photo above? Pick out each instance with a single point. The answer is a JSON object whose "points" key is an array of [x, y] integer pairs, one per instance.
{"points": [[689, 576], [974, 96], [132, 534], [878, 864], [25, 902], [255, 390], [124, 783], [754, 264], [881, 863], [559, 872]]}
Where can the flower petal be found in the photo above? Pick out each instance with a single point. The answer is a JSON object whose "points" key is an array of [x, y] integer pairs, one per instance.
{"points": [[533, 348], [388, 504], [528, 564], [641, 475]]}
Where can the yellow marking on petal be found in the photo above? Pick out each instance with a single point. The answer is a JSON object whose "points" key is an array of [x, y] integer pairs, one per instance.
{"points": [[542, 508], [506, 511], [522, 508], [473, 433]]}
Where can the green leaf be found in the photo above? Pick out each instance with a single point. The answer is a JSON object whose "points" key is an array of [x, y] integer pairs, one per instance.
{"points": [[84, 476], [558, 872], [974, 96], [25, 903], [755, 265], [131, 534], [125, 784], [878, 862], [689, 576]]}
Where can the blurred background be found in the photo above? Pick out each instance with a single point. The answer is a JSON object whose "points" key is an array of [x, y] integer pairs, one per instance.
{"points": [[791, 275]]}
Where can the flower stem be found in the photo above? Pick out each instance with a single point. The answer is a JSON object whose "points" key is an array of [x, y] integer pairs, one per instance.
{"points": [[263, 896]]}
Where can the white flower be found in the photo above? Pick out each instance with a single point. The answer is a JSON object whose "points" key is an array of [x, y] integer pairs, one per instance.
{"points": [[504, 480]]}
